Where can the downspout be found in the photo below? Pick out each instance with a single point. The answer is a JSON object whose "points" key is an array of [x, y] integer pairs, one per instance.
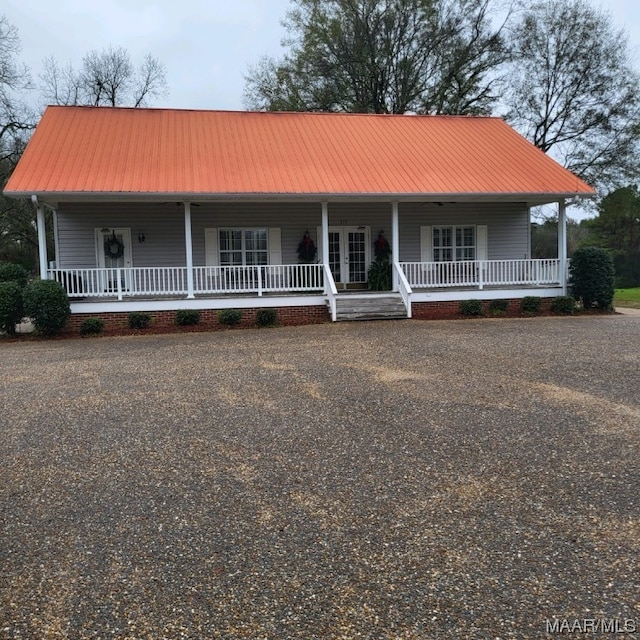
{"points": [[42, 237], [562, 244]]}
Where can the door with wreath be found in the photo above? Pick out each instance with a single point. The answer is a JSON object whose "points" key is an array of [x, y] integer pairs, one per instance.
{"points": [[113, 251]]}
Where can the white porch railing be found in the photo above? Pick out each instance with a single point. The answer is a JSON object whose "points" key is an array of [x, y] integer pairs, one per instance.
{"points": [[331, 291], [482, 273], [157, 281], [404, 288]]}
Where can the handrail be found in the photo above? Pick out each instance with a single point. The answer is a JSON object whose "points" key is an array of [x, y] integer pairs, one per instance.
{"points": [[331, 291], [404, 288], [482, 273], [121, 282]]}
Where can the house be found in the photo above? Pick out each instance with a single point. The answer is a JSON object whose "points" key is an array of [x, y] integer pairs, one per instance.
{"points": [[163, 209]]}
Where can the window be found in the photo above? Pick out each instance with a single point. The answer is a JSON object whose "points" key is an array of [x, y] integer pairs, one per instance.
{"points": [[243, 246], [454, 243]]}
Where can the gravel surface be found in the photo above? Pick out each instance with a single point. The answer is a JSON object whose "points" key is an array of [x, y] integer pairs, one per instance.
{"points": [[462, 479]]}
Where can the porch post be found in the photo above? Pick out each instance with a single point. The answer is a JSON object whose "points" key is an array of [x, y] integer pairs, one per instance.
{"points": [[325, 233], [562, 244], [395, 242], [42, 242], [188, 248]]}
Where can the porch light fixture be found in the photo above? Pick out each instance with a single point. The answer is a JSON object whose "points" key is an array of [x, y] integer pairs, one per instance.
{"points": [[141, 237]]}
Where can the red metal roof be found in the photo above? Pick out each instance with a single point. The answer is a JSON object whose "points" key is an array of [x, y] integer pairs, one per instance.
{"points": [[90, 152]]}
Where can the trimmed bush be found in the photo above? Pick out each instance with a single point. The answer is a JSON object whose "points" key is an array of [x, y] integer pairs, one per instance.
{"points": [[498, 307], [531, 304], [266, 317], [229, 317], [11, 272], [592, 277], [92, 326], [139, 320], [563, 304], [11, 306], [471, 307], [47, 304], [187, 317]]}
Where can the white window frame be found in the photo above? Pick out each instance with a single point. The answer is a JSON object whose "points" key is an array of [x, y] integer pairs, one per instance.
{"points": [[243, 245], [454, 247]]}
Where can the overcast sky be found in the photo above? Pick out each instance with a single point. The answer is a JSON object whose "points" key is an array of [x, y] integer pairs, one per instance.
{"points": [[206, 45]]}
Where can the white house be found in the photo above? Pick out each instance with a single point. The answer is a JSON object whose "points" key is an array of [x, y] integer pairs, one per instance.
{"points": [[161, 209]]}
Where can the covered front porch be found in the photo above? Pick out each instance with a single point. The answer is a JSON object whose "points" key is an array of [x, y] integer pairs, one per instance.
{"points": [[300, 284], [344, 254]]}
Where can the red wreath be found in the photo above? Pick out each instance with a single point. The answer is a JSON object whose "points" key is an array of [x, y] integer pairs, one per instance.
{"points": [[381, 248], [307, 249]]}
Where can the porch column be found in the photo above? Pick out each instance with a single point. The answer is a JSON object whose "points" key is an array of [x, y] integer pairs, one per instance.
{"points": [[189, 249], [325, 233], [56, 239], [562, 244], [42, 242], [395, 242]]}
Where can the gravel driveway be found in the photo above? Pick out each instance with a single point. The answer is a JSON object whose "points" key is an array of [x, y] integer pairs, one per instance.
{"points": [[463, 479]]}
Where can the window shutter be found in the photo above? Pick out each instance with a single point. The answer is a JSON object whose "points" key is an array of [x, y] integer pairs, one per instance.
{"points": [[211, 256], [275, 245], [426, 244], [482, 242]]}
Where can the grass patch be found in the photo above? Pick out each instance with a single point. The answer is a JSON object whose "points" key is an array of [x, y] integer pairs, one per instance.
{"points": [[627, 298]]}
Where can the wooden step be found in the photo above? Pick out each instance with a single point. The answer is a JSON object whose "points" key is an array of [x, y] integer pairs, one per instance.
{"points": [[369, 307]]}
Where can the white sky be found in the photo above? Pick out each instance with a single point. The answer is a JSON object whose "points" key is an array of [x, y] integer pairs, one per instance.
{"points": [[207, 46]]}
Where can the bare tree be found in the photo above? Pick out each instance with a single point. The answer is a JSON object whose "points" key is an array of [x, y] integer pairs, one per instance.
{"points": [[17, 229], [107, 78], [573, 91], [383, 56]]}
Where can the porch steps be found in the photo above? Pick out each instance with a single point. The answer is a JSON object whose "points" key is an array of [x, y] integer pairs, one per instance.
{"points": [[369, 306]]}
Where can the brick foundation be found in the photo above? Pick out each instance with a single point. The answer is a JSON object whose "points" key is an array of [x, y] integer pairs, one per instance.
{"points": [[451, 309], [165, 321]]}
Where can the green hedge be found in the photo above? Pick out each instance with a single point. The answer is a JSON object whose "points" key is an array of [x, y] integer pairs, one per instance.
{"points": [[11, 272], [229, 317], [11, 306], [47, 304], [139, 320], [92, 326], [187, 317], [563, 304], [592, 277], [531, 304], [470, 307]]}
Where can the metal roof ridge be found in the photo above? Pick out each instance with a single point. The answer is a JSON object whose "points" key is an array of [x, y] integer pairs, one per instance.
{"points": [[439, 116]]}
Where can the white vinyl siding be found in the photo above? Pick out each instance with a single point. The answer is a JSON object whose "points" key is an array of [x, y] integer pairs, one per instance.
{"points": [[507, 228]]}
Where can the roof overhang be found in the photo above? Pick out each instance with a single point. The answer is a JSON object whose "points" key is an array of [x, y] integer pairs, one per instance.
{"points": [[531, 199]]}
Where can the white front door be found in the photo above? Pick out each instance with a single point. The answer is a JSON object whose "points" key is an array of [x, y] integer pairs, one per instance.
{"points": [[113, 251], [349, 254]]}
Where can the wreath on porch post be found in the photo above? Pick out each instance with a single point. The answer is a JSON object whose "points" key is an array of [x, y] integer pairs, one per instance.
{"points": [[307, 249], [113, 248]]}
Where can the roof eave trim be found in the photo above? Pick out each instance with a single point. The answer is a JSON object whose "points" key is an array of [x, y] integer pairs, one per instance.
{"points": [[127, 196]]}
